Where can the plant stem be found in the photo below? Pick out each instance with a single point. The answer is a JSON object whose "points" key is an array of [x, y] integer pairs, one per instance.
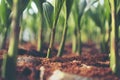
{"points": [[40, 38], [68, 6], [52, 39], [40, 28], [9, 63], [78, 41], [51, 42], [79, 35], [112, 40], [74, 41], [76, 45], [62, 44], [114, 55]]}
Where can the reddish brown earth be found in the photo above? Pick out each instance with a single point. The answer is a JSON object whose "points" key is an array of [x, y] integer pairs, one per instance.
{"points": [[92, 64]]}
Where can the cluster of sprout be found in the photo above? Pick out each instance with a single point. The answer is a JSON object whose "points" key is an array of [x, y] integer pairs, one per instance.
{"points": [[52, 15]]}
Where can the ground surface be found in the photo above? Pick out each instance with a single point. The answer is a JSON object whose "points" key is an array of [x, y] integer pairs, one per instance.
{"points": [[31, 65]]}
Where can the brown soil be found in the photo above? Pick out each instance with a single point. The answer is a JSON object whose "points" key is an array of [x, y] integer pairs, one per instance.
{"points": [[91, 63]]}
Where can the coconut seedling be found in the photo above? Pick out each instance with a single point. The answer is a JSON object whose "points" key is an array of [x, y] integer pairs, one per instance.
{"points": [[51, 13], [114, 54], [5, 20], [9, 61], [68, 6]]}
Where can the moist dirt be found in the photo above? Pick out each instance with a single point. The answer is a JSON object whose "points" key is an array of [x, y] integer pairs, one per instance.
{"points": [[32, 65]]}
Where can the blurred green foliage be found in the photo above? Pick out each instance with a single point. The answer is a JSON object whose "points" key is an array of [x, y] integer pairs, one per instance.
{"points": [[30, 21]]}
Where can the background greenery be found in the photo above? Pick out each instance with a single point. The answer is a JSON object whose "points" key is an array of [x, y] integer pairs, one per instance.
{"points": [[29, 25]]}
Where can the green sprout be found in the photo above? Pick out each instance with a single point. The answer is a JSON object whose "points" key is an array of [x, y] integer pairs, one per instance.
{"points": [[51, 13], [68, 7]]}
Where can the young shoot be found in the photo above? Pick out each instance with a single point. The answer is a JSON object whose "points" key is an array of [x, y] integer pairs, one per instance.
{"points": [[51, 13], [68, 6]]}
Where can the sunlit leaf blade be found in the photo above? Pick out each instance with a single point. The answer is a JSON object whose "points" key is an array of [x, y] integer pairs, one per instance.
{"points": [[69, 6], [48, 13]]}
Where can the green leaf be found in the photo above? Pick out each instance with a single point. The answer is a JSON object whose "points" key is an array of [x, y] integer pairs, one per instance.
{"points": [[78, 10], [48, 11], [98, 15], [118, 19], [9, 3], [76, 5], [81, 6], [90, 3], [118, 5], [4, 13], [24, 4], [95, 18], [69, 6], [39, 4], [58, 6], [107, 9], [75, 11]]}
